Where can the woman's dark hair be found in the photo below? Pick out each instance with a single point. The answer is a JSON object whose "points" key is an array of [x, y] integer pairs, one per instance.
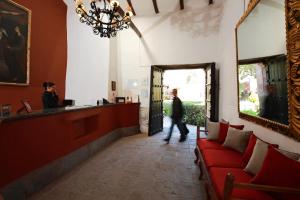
{"points": [[47, 84]]}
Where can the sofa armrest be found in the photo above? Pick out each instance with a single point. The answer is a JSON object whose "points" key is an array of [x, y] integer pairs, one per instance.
{"points": [[199, 131], [230, 185]]}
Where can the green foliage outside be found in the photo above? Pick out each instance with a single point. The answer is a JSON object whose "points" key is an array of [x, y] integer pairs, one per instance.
{"points": [[246, 95], [194, 112], [250, 112], [167, 108], [246, 70]]}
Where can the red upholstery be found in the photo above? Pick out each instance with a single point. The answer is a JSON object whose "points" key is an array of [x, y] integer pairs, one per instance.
{"points": [[224, 128], [248, 152], [279, 170], [208, 144], [218, 176], [251, 144], [223, 132], [222, 158]]}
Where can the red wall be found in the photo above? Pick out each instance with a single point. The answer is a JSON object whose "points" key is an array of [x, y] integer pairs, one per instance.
{"points": [[48, 54]]}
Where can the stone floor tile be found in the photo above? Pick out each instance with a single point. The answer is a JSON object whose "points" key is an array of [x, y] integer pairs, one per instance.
{"points": [[133, 168]]}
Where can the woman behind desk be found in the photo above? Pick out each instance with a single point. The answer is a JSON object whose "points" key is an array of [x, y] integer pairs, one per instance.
{"points": [[49, 97]]}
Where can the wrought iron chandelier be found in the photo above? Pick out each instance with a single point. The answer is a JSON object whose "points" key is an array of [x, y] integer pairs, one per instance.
{"points": [[103, 17]]}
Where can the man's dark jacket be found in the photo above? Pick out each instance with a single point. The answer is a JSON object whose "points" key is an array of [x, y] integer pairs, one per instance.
{"points": [[177, 109]]}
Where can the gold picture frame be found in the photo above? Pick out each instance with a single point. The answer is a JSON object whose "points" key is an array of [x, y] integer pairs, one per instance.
{"points": [[292, 19], [15, 30], [293, 47]]}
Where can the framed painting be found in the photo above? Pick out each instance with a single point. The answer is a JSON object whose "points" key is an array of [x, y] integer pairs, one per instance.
{"points": [[15, 22], [113, 86]]}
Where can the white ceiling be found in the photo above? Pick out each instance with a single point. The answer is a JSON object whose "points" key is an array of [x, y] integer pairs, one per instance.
{"points": [[146, 8]]}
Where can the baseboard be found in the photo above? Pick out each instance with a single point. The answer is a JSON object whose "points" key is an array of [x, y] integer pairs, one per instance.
{"points": [[129, 131], [39, 178]]}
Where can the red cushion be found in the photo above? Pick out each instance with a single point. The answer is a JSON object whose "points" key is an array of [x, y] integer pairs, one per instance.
{"points": [[224, 128], [222, 158], [208, 144], [279, 170], [218, 176], [248, 152], [223, 132]]}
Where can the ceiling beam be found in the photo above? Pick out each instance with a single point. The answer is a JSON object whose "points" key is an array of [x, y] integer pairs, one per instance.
{"points": [[132, 25], [155, 6], [131, 7], [211, 2], [181, 4], [136, 30]]}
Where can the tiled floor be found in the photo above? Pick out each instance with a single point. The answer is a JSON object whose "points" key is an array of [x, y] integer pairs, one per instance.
{"points": [[133, 168]]}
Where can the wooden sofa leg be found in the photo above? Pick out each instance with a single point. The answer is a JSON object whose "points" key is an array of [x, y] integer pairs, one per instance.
{"points": [[198, 162], [207, 191], [197, 156], [228, 186], [201, 170]]}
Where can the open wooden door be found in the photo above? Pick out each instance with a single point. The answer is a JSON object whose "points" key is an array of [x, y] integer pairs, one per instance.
{"points": [[156, 93], [156, 101], [212, 93]]}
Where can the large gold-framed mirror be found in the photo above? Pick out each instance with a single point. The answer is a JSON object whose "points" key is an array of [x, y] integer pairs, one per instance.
{"points": [[268, 57]]}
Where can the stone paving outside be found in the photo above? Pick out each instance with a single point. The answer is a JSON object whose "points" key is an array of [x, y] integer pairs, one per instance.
{"points": [[134, 168]]}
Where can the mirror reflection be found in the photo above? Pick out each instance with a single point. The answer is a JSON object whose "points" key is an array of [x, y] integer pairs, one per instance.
{"points": [[262, 62]]}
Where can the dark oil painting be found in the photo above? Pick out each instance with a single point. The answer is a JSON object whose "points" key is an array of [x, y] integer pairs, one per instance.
{"points": [[14, 43]]}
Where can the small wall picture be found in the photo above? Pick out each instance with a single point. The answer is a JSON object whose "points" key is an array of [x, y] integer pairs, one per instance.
{"points": [[113, 85], [14, 43], [5, 110]]}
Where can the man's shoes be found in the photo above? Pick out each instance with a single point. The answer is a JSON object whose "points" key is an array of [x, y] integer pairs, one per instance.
{"points": [[182, 139], [185, 129], [167, 140]]}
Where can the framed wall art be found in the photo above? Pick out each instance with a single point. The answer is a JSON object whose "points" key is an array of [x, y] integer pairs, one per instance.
{"points": [[15, 22], [113, 86]]}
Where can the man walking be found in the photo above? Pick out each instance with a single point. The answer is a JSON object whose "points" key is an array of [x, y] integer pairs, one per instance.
{"points": [[177, 114]]}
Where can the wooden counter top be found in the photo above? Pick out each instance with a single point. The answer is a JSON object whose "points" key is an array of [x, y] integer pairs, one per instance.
{"points": [[53, 111]]}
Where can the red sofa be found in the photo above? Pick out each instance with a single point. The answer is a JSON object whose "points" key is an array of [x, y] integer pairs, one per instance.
{"points": [[222, 170]]}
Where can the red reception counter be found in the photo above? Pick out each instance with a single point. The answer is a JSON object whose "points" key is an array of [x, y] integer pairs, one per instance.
{"points": [[31, 141]]}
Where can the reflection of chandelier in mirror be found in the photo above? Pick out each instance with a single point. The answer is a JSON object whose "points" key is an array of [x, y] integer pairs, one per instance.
{"points": [[103, 17]]}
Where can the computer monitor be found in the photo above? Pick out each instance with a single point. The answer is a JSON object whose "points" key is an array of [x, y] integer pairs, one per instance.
{"points": [[105, 101], [68, 102]]}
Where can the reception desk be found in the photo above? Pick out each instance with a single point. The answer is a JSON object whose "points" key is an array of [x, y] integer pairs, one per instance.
{"points": [[37, 140]]}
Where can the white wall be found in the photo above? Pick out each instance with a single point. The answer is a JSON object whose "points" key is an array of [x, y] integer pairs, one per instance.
{"points": [[180, 37], [113, 67], [88, 62], [228, 79]]}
